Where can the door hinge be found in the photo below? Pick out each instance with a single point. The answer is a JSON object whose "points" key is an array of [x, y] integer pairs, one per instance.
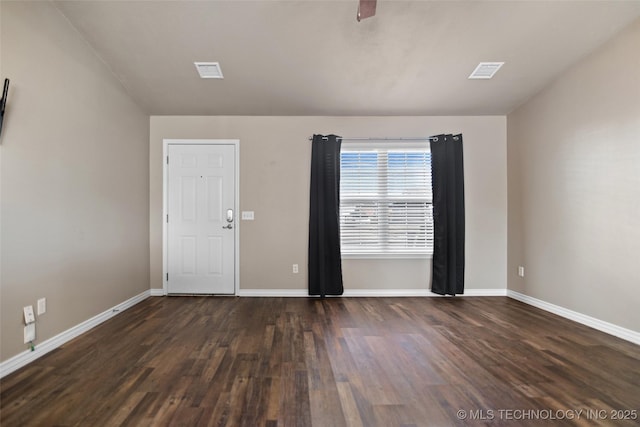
{"points": [[167, 218], [167, 159], [167, 277]]}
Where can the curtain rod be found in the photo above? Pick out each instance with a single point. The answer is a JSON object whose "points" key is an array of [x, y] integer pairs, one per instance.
{"points": [[429, 138], [324, 138]]}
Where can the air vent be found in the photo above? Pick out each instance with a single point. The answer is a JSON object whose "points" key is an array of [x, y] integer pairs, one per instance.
{"points": [[209, 70], [486, 70]]}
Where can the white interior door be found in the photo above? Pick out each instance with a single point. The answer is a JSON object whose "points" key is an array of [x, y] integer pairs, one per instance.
{"points": [[201, 219]]}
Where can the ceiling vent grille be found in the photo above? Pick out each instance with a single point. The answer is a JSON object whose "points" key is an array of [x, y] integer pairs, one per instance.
{"points": [[485, 70], [209, 70]]}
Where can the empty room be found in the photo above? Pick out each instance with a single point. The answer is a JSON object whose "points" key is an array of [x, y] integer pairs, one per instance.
{"points": [[319, 213]]}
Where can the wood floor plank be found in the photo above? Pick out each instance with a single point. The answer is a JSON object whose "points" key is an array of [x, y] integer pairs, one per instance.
{"points": [[348, 404], [221, 361]]}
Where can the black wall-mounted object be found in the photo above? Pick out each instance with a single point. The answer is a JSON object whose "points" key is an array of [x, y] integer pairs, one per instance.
{"points": [[3, 101]]}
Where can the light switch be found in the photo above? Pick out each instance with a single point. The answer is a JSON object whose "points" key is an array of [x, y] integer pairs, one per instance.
{"points": [[247, 215], [42, 306]]}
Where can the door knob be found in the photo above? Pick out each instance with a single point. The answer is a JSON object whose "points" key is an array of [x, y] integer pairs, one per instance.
{"points": [[228, 226]]}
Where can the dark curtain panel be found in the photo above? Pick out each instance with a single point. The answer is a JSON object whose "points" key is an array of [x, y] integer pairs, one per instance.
{"points": [[447, 178], [325, 262]]}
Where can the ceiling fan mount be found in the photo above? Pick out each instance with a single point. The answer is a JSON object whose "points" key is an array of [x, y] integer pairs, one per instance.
{"points": [[366, 9]]}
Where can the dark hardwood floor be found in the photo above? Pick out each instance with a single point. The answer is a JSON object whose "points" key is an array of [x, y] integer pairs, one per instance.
{"points": [[215, 361]]}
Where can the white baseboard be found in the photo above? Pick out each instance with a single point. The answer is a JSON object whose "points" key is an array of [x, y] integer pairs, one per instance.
{"points": [[154, 292], [301, 293], [387, 293], [592, 322], [26, 357], [419, 293], [484, 293], [272, 293]]}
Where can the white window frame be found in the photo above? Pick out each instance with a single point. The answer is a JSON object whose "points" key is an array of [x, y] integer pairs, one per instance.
{"points": [[387, 146]]}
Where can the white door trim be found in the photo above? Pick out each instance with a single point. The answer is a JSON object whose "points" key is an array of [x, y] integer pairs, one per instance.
{"points": [[165, 208]]}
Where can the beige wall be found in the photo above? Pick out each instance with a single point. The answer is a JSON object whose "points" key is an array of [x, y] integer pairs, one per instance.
{"points": [[574, 187], [74, 179], [274, 182]]}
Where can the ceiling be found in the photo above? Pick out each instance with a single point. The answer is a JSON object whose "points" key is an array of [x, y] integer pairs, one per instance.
{"points": [[313, 58]]}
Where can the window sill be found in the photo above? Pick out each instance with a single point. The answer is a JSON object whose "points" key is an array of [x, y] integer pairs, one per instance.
{"points": [[386, 256]]}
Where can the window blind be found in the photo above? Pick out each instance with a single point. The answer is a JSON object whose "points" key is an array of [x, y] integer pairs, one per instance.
{"points": [[385, 199]]}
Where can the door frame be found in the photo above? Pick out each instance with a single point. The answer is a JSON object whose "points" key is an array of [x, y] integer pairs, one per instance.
{"points": [[165, 200]]}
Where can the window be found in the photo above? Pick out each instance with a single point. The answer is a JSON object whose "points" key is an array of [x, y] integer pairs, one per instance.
{"points": [[385, 199]]}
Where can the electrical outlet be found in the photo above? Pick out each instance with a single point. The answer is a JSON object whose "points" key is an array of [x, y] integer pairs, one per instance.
{"points": [[295, 268], [42, 306], [29, 317], [29, 333], [521, 271]]}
